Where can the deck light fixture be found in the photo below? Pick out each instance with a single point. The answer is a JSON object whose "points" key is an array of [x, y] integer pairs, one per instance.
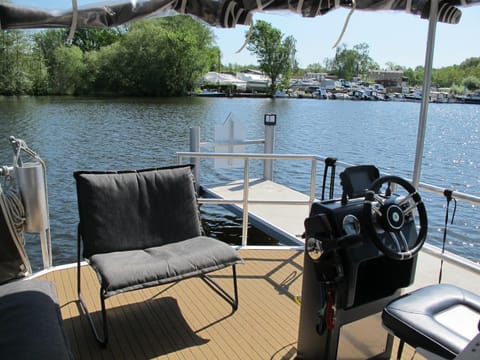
{"points": [[270, 119]]}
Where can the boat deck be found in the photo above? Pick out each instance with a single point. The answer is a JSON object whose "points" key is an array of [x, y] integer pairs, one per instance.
{"points": [[187, 320]]}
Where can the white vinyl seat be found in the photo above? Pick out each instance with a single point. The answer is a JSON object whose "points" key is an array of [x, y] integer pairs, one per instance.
{"points": [[441, 319]]}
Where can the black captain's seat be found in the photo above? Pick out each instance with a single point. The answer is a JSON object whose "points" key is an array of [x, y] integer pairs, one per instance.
{"points": [[442, 319]]}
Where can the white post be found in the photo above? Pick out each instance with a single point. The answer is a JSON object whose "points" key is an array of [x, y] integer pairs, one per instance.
{"points": [[427, 80], [270, 120], [195, 147]]}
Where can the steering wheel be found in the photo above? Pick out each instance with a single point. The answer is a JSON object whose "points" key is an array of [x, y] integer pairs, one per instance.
{"points": [[390, 218]]}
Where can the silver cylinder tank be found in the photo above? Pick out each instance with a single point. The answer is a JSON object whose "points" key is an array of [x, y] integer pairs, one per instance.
{"points": [[31, 182]]}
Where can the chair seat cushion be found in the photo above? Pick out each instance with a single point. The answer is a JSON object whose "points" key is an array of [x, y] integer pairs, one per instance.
{"points": [[135, 269], [416, 318]]}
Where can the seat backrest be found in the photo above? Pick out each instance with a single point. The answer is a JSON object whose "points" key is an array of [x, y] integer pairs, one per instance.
{"points": [[356, 180], [131, 210]]}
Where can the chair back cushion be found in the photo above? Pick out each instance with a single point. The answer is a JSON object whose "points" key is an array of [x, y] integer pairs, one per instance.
{"points": [[137, 209]]}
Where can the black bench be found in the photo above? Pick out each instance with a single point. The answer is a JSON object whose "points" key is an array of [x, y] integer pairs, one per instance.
{"points": [[31, 326]]}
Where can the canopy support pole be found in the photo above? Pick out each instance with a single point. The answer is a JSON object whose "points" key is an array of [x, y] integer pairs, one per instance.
{"points": [[427, 80]]}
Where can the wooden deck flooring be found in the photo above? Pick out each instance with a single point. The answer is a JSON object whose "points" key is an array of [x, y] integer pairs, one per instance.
{"points": [[187, 320]]}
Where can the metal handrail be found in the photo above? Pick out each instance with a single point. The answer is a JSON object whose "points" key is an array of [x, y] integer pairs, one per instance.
{"points": [[314, 159], [245, 201], [425, 186]]}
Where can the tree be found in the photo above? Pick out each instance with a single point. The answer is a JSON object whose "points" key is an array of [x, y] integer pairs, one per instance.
{"points": [[94, 39], [315, 68], [68, 71], [391, 66], [159, 57], [348, 63], [365, 62], [47, 41], [470, 63], [15, 63], [275, 55], [471, 83]]}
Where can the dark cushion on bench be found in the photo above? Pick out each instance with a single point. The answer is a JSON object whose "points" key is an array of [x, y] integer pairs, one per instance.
{"points": [[135, 269], [31, 325]]}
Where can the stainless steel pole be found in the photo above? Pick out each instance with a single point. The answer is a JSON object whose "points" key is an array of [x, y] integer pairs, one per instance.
{"points": [[427, 80], [195, 147], [268, 149]]}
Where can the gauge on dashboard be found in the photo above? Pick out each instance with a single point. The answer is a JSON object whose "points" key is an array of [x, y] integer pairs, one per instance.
{"points": [[351, 225]]}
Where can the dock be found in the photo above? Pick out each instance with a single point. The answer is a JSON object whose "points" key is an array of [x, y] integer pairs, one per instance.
{"points": [[284, 222]]}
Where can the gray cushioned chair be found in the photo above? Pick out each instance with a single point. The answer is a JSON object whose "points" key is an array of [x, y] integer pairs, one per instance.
{"points": [[142, 228]]}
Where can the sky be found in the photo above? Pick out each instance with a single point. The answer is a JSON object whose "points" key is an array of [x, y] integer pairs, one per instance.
{"points": [[395, 37]]}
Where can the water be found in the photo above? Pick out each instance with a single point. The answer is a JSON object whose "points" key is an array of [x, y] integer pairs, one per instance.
{"points": [[125, 133]]}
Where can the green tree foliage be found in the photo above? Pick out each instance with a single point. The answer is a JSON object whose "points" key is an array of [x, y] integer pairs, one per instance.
{"points": [[95, 39], [168, 56], [457, 90], [467, 71], [471, 63], [391, 66], [161, 57], [471, 83], [68, 70], [316, 68], [275, 55], [348, 63], [47, 41], [16, 63]]}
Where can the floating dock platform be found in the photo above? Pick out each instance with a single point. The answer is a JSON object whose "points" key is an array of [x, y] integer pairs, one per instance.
{"points": [[284, 222]]}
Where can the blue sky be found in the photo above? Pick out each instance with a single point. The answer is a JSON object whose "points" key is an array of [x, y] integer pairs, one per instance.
{"points": [[395, 37]]}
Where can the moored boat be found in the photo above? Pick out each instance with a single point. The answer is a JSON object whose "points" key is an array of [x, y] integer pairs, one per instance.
{"points": [[473, 98]]}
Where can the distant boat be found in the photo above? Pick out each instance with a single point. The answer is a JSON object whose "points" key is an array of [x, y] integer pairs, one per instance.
{"points": [[413, 96], [470, 98], [209, 93]]}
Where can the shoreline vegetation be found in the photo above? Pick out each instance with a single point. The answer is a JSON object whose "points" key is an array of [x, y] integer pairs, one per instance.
{"points": [[170, 57]]}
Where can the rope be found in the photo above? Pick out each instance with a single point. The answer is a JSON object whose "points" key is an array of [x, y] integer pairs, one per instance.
{"points": [[347, 20], [249, 21], [16, 210], [247, 39], [73, 27]]}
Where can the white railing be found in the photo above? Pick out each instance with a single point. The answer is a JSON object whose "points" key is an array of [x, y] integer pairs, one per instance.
{"points": [[245, 201]]}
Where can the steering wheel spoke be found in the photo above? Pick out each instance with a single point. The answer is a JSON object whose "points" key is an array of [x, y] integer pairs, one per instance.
{"points": [[408, 203], [379, 199], [399, 240]]}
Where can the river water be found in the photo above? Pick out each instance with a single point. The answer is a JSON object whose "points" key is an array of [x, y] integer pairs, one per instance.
{"points": [[130, 133]]}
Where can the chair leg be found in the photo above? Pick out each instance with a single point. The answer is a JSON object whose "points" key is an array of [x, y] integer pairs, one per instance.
{"points": [[400, 349], [233, 301], [102, 340]]}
